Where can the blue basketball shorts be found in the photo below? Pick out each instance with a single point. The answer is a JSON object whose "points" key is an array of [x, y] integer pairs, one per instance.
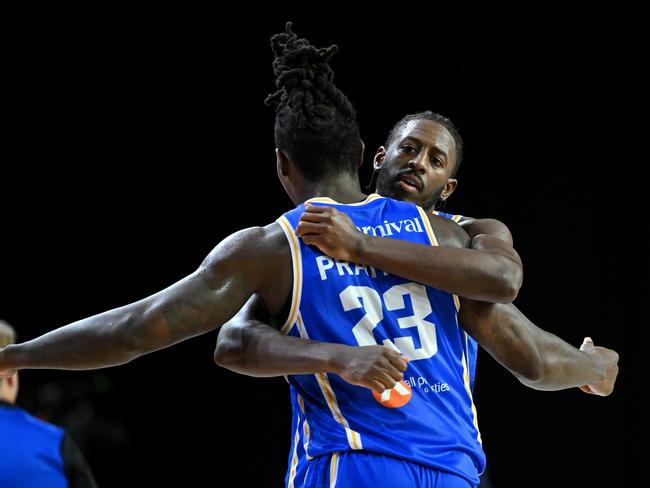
{"points": [[362, 469]]}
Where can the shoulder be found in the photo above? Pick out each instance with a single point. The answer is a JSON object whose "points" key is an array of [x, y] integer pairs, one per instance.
{"points": [[455, 217], [251, 243], [45, 426], [249, 251], [23, 421], [448, 232], [492, 227]]}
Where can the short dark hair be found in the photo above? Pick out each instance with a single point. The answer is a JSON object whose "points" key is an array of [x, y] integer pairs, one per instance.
{"points": [[315, 123], [442, 120]]}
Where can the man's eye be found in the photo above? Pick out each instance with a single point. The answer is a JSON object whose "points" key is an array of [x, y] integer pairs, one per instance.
{"points": [[407, 149], [436, 162]]}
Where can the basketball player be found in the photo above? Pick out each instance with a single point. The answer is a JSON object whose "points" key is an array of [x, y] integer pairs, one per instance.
{"points": [[424, 153], [248, 346]]}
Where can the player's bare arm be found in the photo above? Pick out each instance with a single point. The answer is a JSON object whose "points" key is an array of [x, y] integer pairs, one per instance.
{"points": [[247, 345], [493, 273], [254, 260], [539, 359], [560, 365]]}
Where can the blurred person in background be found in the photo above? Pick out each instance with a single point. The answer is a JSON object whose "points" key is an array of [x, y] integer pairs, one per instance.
{"points": [[35, 453]]}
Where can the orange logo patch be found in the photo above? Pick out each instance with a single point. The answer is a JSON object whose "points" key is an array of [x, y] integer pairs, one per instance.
{"points": [[396, 397]]}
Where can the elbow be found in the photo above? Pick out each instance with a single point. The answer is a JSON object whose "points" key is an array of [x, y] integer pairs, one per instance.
{"points": [[228, 356], [510, 279], [510, 293], [236, 350], [222, 356]]}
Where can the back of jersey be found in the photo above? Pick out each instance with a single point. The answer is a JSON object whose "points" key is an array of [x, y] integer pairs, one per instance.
{"points": [[429, 418], [30, 451]]}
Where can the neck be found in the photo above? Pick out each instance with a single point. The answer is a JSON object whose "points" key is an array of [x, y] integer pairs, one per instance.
{"points": [[428, 207], [343, 188]]}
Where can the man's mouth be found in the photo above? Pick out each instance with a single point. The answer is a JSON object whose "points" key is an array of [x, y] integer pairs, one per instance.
{"points": [[411, 182]]}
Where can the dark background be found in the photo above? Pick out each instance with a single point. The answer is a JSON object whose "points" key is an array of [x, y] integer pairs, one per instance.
{"points": [[135, 143]]}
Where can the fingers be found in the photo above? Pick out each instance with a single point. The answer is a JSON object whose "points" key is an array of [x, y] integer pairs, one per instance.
{"points": [[587, 344], [309, 207], [315, 214], [385, 379], [586, 389], [398, 361], [305, 228], [377, 367], [311, 240], [395, 366], [393, 372]]}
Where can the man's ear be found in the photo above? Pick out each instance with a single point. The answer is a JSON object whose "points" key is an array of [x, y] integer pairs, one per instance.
{"points": [[363, 150], [378, 162], [450, 186], [282, 161]]}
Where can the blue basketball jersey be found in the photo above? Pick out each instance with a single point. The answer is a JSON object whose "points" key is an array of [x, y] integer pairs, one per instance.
{"points": [[472, 345], [31, 451], [429, 418], [298, 465]]}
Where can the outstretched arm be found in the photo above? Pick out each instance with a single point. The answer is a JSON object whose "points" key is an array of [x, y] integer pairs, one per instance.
{"points": [[247, 345], [492, 274], [537, 358], [198, 303]]}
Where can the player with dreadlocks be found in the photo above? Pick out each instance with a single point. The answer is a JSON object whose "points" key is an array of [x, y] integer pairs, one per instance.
{"points": [[277, 264], [424, 147]]}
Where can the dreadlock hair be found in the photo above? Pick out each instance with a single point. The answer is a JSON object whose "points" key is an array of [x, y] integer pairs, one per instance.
{"points": [[315, 123], [442, 120]]}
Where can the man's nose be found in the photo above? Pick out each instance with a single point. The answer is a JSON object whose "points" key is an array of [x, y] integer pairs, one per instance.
{"points": [[418, 162]]}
